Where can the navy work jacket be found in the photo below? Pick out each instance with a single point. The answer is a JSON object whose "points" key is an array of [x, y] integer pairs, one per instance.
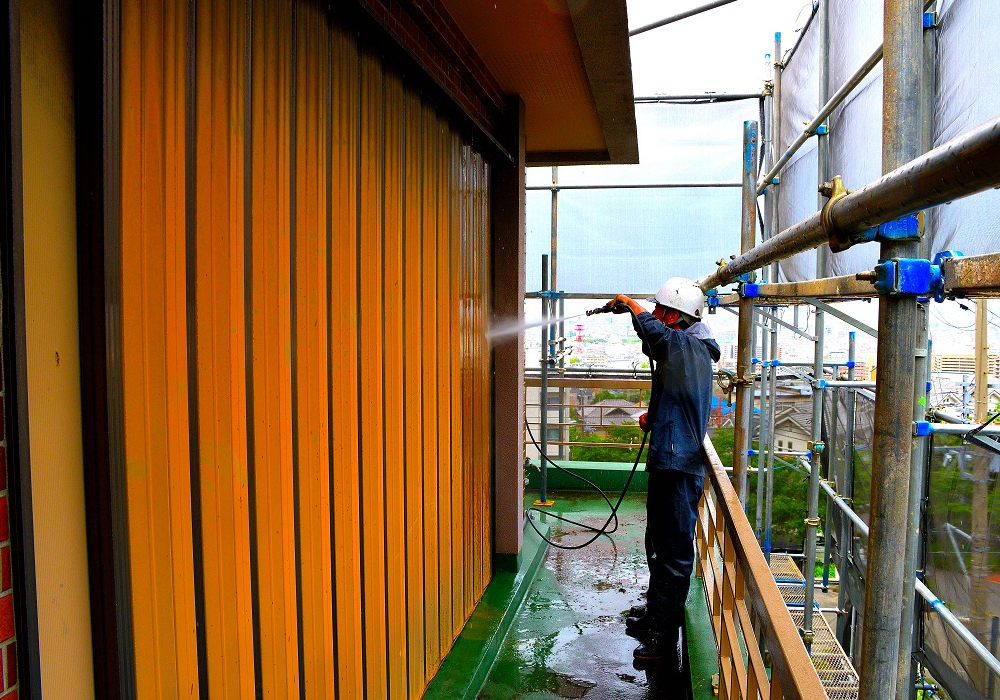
{"points": [[682, 392]]}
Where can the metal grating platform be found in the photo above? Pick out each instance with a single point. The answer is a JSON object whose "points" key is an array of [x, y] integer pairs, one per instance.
{"points": [[793, 595], [784, 570], [838, 676]]}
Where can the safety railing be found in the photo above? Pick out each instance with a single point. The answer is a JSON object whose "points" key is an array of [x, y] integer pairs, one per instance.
{"points": [[752, 626]]}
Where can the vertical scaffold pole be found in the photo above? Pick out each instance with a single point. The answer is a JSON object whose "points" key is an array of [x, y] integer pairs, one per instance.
{"points": [[762, 438], [744, 337], [832, 457], [892, 444], [980, 594], [906, 674], [543, 401], [773, 228], [554, 283], [822, 261], [846, 489]]}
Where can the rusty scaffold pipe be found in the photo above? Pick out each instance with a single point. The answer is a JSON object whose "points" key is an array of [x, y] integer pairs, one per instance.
{"points": [[744, 336], [967, 164], [892, 441]]}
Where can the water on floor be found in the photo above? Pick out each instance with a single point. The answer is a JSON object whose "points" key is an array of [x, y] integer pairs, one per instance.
{"points": [[569, 638]]}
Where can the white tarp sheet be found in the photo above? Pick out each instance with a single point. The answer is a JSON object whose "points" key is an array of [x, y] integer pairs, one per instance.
{"points": [[967, 94]]}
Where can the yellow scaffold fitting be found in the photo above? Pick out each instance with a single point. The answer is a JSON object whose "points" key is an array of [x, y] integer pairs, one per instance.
{"points": [[812, 522], [833, 190]]}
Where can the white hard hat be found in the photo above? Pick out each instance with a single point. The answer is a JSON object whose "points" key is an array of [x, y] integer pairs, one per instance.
{"points": [[682, 294]]}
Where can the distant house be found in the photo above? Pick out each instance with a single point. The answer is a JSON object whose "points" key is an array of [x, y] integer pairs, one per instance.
{"points": [[599, 416], [793, 427]]}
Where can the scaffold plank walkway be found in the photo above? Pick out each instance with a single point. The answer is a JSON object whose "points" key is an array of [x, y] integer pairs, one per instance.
{"points": [[838, 675]]}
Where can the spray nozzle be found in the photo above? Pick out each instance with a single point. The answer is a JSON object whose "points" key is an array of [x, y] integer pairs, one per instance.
{"points": [[608, 308]]}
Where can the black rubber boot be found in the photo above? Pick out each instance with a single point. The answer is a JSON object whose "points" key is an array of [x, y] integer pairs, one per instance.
{"points": [[661, 647], [638, 627]]}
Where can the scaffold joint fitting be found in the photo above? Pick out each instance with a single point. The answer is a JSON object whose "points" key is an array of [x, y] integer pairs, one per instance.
{"points": [[833, 190], [822, 130], [749, 290], [812, 522], [904, 276], [816, 447], [922, 428], [906, 228]]}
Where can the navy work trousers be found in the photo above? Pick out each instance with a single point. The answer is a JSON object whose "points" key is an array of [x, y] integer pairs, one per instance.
{"points": [[671, 512]]}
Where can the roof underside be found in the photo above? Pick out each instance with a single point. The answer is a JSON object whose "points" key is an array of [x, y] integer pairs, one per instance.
{"points": [[571, 65]]}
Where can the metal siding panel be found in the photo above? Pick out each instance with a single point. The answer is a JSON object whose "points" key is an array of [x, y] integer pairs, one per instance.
{"points": [[483, 357], [458, 499], [271, 337], [221, 354], [485, 234], [444, 303], [468, 481], [372, 465], [413, 392], [154, 363], [392, 303], [344, 382], [429, 155], [312, 346]]}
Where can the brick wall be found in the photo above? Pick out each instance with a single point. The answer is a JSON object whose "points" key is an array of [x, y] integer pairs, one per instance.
{"points": [[8, 642]]}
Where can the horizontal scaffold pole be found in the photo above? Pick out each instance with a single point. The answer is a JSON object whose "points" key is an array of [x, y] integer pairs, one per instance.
{"points": [[705, 97], [967, 164], [634, 186], [679, 16]]}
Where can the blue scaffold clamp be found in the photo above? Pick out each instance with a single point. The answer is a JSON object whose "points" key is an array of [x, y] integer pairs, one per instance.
{"points": [[712, 295], [749, 290], [922, 428], [937, 291]]}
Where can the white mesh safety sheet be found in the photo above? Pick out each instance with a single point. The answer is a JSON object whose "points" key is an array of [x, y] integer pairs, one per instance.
{"points": [[967, 94], [634, 239]]}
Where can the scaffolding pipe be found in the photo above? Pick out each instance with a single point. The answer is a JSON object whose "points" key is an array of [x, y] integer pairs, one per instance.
{"points": [[819, 326], [554, 187], [828, 106], [763, 442], [979, 612], [772, 230], [963, 428], [850, 383], [975, 646], [785, 324], [705, 97], [847, 487], [679, 16], [897, 327], [543, 401], [831, 465], [906, 675], [967, 164], [824, 112], [744, 373]]}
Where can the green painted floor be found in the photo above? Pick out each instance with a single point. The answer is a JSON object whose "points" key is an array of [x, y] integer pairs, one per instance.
{"points": [[568, 640]]}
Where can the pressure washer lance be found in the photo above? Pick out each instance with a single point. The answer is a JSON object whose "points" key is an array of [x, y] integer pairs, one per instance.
{"points": [[609, 308], [603, 530]]}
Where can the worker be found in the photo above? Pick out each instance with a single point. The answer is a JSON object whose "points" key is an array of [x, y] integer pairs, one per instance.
{"points": [[681, 349]]}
